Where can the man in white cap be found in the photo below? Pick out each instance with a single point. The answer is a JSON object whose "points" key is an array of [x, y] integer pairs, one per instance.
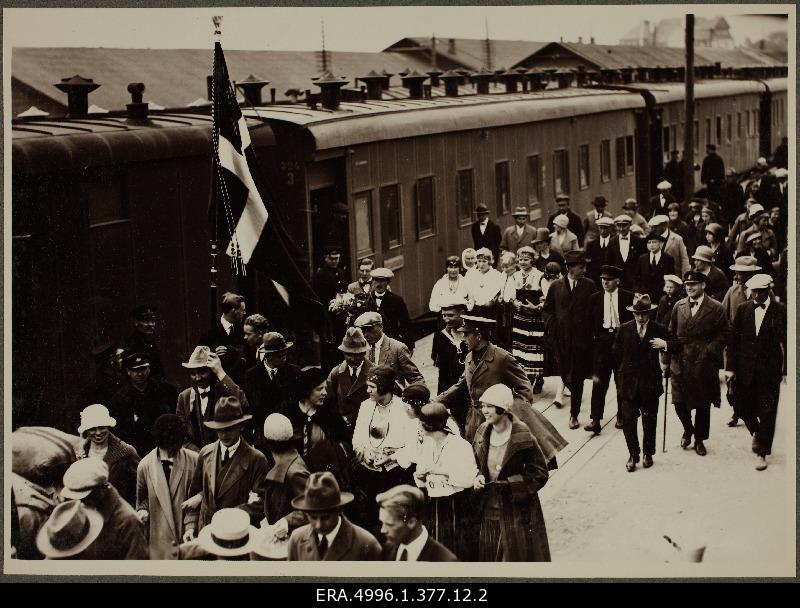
{"points": [[122, 536], [392, 307], [756, 363], [673, 243], [759, 223], [385, 350], [660, 202], [717, 285], [624, 250]]}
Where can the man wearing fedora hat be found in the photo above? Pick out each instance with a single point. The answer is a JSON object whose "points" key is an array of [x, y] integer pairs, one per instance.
{"points": [[624, 249], [208, 382], [597, 247], [756, 363], [329, 535], [227, 470], [269, 384], [639, 379], [698, 331], [590, 231], [69, 531], [608, 310], [717, 285], [485, 233], [521, 234], [392, 307], [122, 536], [347, 382], [574, 223], [652, 267], [385, 350], [743, 269]]}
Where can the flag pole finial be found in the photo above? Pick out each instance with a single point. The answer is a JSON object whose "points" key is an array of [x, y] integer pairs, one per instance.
{"points": [[217, 25]]}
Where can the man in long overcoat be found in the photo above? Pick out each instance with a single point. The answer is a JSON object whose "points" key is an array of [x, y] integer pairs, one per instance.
{"points": [[568, 326], [485, 233], [698, 332]]}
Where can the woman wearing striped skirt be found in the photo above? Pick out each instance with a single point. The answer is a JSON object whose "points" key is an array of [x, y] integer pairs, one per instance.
{"points": [[527, 333]]}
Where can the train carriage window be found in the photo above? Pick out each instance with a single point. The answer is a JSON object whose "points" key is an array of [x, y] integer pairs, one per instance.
{"points": [[729, 133], [665, 147], [718, 140], [362, 207], [673, 137], [696, 136], [426, 208], [561, 172], [391, 217], [465, 196], [749, 124], [756, 126], [620, 150], [534, 180], [629, 156], [708, 132], [584, 174], [738, 125], [605, 160], [502, 188]]}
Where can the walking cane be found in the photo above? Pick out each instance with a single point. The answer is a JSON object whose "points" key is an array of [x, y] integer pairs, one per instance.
{"points": [[666, 405]]}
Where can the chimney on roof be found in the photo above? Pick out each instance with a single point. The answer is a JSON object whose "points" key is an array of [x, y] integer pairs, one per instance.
{"points": [[251, 89], [536, 78], [331, 90], [564, 76], [137, 111], [434, 74], [387, 79], [374, 82], [451, 46], [451, 80], [413, 82], [510, 78], [482, 78], [77, 89]]}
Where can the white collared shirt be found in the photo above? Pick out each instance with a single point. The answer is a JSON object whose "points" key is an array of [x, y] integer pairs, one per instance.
{"points": [[203, 394], [655, 258], [231, 450], [414, 548], [358, 369], [625, 246], [520, 230], [760, 312], [610, 300], [483, 225], [378, 298], [604, 242], [271, 371], [162, 456], [693, 309], [226, 325], [331, 536]]}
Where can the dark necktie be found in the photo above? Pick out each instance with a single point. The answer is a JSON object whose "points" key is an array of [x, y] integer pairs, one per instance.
{"points": [[225, 456], [352, 375], [309, 426], [167, 466], [322, 547], [403, 556], [692, 303], [762, 306]]}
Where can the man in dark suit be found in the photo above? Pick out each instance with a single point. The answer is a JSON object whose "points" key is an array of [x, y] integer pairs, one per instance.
{"points": [[712, 173], [347, 382], [756, 363], [521, 234], [732, 203], [448, 349], [329, 536], [363, 285], [485, 233], [673, 173], [407, 540], [329, 278], [209, 383], [143, 339], [575, 225], [384, 350], [652, 267], [624, 250], [718, 284], [228, 470], [662, 200], [698, 332], [392, 308], [226, 336], [608, 310], [590, 231], [568, 326], [597, 248], [270, 383], [638, 375]]}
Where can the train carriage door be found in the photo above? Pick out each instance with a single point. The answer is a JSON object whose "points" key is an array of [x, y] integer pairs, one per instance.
{"points": [[329, 215]]}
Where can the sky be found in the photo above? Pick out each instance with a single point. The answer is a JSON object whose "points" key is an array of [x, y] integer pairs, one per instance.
{"points": [[346, 29]]}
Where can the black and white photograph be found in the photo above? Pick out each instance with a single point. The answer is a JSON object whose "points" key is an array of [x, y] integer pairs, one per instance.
{"points": [[500, 289]]}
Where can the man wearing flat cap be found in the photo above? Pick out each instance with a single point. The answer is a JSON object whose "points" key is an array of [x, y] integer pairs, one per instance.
{"points": [[392, 307], [652, 268], [574, 223], [329, 535], [756, 363], [597, 247], [698, 332], [521, 234], [227, 470], [139, 402], [143, 339], [590, 232], [624, 249], [662, 200], [208, 382], [347, 382], [485, 233], [385, 350], [674, 245]]}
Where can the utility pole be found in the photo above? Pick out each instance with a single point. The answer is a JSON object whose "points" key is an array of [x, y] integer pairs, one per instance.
{"points": [[433, 51], [688, 131]]}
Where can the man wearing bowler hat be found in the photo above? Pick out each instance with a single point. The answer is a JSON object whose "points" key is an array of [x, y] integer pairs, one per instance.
{"points": [[227, 470], [347, 382], [590, 231], [698, 332], [608, 310], [485, 233], [208, 382], [329, 535], [652, 267], [270, 383], [574, 224], [392, 307], [521, 234], [385, 350], [717, 285], [639, 379], [597, 247], [568, 326]]}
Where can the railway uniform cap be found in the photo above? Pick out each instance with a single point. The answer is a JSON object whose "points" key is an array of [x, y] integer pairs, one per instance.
{"points": [[754, 211], [652, 236], [745, 263], [610, 272], [657, 220], [474, 323], [600, 201], [368, 319], [781, 173], [498, 395], [520, 211], [526, 250], [542, 236], [381, 273], [145, 312], [641, 303], [759, 281], [454, 303], [605, 221], [481, 208], [663, 185], [630, 203], [136, 361], [673, 278], [562, 221], [623, 218], [752, 237], [704, 254], [354, 341], [693, 276], [573, 258], [562, 197]]}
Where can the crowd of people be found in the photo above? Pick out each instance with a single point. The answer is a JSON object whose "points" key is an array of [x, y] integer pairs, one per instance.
{"points": [[262, 457]]}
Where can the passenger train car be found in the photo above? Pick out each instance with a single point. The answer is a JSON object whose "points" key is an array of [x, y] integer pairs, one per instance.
{"points": [[110, 211]]}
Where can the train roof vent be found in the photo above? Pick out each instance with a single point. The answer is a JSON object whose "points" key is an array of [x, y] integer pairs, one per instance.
{"points": [[564, 77], [451, 80], [511, 79], [537, 78], [77, 89], [331, 90], [137, 110], [482, 78], [434, 74], [251, 89], [387, 78], [413, 81], [374, 82]]}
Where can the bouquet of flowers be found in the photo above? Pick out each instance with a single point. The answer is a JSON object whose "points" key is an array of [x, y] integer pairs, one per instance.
{"points": [[348, 306]]}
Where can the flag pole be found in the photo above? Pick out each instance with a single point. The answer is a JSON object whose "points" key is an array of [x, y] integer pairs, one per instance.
{"points": [[214, 200]]}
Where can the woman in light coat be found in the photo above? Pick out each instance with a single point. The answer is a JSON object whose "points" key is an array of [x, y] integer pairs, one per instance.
{"points": [[563, 239]]}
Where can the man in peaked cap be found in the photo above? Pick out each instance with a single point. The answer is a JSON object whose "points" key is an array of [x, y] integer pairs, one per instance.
{"points": [[208, 382], [624, 249], [597, 247], [392, 307], [227, 470], [521, 234], [662, 200], [347, 382], [756, 363], [590, 230], [385, 350], [143, 340], [485, 233], [698, 332]]}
